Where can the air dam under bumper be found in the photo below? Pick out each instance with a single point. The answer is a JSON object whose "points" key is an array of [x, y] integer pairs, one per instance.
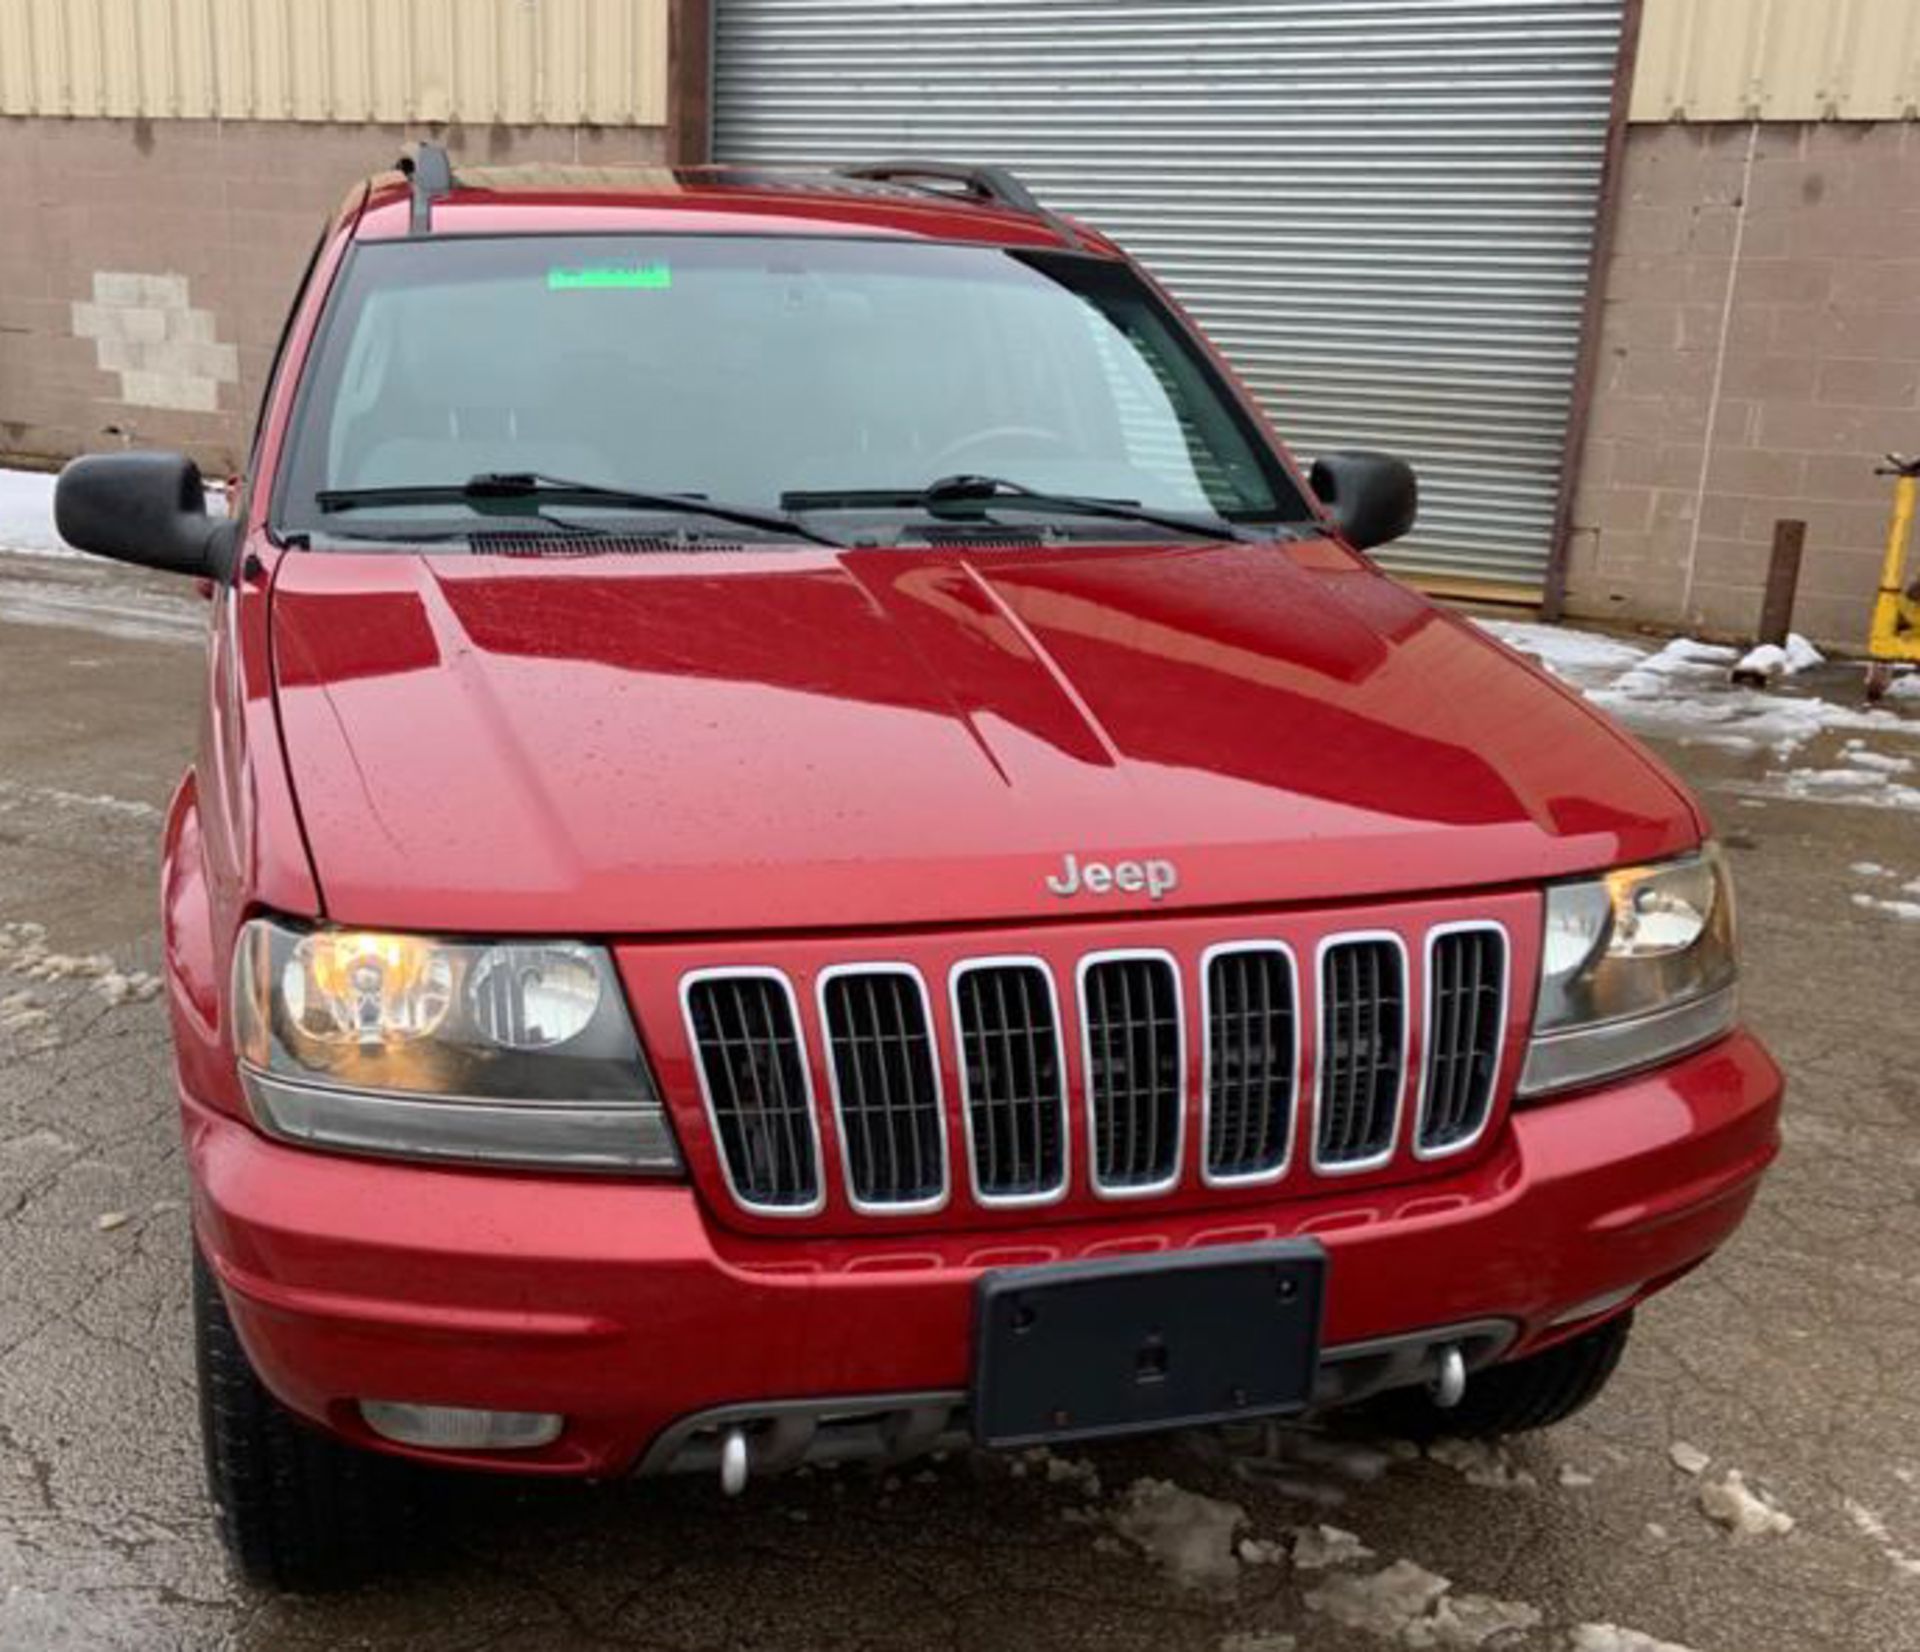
{"points": [[617, 1304]]}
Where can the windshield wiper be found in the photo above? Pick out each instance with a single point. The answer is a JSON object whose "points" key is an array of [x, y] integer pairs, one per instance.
{"points": [[959, 497], [522, 485]]}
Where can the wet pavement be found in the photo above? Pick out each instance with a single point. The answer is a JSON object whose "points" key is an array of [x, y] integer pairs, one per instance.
{"points": [[1793, 1358]]}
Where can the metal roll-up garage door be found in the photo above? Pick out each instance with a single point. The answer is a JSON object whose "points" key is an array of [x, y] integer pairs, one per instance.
{"points": [[1382, 210]]}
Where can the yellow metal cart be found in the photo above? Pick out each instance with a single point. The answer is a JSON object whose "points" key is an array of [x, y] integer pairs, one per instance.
{"points": [[1894, 634]]}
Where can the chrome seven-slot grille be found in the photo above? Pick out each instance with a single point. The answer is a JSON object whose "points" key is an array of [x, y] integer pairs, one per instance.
{"points": [[882, 1067]]}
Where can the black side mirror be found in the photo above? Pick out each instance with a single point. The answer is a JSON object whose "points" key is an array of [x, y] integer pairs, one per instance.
{"points": [[1372, 497], [144, 508]]}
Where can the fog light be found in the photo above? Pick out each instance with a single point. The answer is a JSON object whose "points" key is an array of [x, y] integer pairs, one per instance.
{"points": [[454, 1428]]}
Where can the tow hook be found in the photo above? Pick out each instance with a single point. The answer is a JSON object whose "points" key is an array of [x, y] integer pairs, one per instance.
{"points": [[733, 1462], [1450, 1381]]}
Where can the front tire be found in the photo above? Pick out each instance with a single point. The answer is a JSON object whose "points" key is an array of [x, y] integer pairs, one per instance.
{"points": [[1518, 1396], [296, 1508]]}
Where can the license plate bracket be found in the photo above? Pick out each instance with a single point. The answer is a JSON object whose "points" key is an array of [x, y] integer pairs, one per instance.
{"points": [[1135, 1344]]}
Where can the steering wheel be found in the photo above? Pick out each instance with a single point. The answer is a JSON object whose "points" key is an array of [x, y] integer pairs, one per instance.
{"points": [[1023, 433]]}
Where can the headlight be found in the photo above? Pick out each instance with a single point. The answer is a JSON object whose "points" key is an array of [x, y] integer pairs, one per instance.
{"points": [[520, 1052], [1635, 968]]}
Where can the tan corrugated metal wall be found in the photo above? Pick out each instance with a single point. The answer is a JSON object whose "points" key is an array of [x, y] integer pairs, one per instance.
{"points": [[1778, 60], [523, 62]]}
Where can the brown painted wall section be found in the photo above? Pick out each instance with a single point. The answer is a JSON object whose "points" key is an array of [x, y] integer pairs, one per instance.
{"points": [[1759, 349], [146, 266]]}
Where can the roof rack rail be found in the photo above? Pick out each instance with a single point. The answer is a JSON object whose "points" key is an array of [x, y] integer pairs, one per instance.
{"points": [[992, 185], [430, 172]]}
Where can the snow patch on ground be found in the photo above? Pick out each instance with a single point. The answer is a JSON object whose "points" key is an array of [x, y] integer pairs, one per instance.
{"points": [[1837, 780], [1189, 1536], [1197, 1542], [1681, 662], [1685, 656], [1688, 1458], [1743, 1510], [1772, 660], [26, 513], [1565, 652], [1866, 788], [1610, 1637], [1385, 1603], [24, 952], [1472, 1621], [1573, 1478], [1481, 1463], [1683, 691], [1407, 1603], [1282, 1458], [1261, 1551], [1315, 1548], [1907, 910], [97, 803], [1349, 1459], [1059, 1471], [1656, 705], [1072, 1471], [1857, 753]]}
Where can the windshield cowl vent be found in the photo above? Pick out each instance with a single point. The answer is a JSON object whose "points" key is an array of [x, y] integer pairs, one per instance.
{"points": [[981, 539], [610, 544]]}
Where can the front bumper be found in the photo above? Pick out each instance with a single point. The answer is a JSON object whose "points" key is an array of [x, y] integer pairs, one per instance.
{"points": [[620, 1305]]}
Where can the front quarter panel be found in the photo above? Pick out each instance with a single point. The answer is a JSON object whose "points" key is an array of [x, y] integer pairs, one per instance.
{"points": [[234, 843]]}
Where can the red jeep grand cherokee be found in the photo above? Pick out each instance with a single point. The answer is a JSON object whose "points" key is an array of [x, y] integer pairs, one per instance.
{"points": [[807, 843]]}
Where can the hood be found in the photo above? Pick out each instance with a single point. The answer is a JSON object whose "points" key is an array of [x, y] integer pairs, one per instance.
{"points": [[798, 739]]}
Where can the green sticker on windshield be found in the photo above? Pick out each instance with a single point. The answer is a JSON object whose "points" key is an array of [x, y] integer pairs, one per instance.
{"points": [[650, 278]]}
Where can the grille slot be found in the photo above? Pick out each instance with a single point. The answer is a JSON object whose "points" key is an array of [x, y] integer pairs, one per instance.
{"points": [[754, 1074], [1130, 1009], [1466, 1008], [1252, 1062], [1013, 1084], [1362, 1054], [886, 1088]]}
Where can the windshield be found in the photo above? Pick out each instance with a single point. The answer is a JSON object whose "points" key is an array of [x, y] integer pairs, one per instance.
{"points": [[765, 374]]}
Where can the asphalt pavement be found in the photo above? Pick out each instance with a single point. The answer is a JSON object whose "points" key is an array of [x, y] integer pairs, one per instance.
{"points": [[1793, 1358]]}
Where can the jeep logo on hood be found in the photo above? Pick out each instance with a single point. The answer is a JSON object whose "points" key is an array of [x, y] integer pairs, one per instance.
{"points": [[1153, 878]]}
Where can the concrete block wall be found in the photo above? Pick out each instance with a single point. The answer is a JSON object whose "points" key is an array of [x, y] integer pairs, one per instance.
{"points": [[167, 353], [146, 266], [1759, 349]]}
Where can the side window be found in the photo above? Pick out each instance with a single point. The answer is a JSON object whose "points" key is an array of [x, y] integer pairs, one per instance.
{"points": [[1173, 426], [1150, 427]]}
